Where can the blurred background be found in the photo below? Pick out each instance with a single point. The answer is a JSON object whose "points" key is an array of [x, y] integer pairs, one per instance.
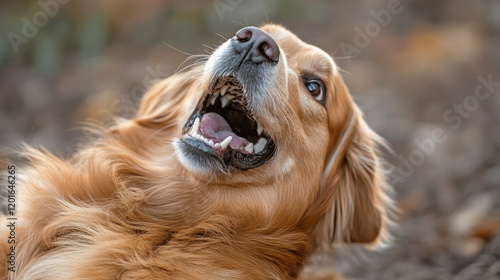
{"points": [[425, 72]]}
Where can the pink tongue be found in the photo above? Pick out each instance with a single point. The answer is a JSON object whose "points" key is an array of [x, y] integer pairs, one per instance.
{"points": [[213, 126]]}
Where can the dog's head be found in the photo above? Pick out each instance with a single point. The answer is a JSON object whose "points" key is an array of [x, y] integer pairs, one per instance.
{"points": [[272, 112], [265, 96]]}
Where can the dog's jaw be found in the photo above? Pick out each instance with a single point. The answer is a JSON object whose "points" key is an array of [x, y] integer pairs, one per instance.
{"points": [[222, 133], [232, 80]]}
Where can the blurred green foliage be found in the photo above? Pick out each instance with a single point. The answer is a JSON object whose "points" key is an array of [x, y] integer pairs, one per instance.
{"points": [[86, 28], [62, 32]]}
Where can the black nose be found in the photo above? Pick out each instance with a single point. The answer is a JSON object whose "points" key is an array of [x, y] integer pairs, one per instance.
{"points": [[259, 45]]}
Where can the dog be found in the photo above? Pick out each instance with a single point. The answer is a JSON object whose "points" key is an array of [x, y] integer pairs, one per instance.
{"points": [[241, 168]]}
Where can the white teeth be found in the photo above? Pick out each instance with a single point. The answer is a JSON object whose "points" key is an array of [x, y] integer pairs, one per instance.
{"points": [[213, 98], [224, 89], [217, 145], [195, 127], [249, 148], [260, 145], [194, 133], [225, 100], [259, 129], [226, 142]]}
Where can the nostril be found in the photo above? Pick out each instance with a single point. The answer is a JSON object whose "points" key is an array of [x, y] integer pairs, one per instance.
{"points": [[267, 50], [244, 35], [263, 47], [256, 45]]}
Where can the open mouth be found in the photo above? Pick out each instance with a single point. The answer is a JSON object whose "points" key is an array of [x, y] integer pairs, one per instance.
{"points": [[223, 128]]}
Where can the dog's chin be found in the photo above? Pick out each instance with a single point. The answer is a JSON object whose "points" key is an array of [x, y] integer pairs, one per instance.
{"points": [[197, 158], [222, 133]]}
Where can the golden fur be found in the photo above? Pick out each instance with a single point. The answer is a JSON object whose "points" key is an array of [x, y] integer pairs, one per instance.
{"points": [[124, 207]]}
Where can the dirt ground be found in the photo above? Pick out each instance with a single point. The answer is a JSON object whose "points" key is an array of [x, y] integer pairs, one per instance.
{"points": [[425, 72]]}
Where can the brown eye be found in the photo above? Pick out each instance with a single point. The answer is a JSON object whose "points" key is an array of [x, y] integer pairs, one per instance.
{"points": [[317, 89]]}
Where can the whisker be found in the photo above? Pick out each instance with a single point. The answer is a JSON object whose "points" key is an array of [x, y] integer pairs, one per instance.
{"points": [[225, 39], [239, 23], [183, 52], [187, 59], [207, 46], [341, 57], [344, 71], [196, 76], [265, 13], [200, 56], [204, 59], [191, 65]]}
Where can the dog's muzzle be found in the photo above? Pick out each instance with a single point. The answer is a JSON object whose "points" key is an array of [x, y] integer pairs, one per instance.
{"points": [[223, 130]]}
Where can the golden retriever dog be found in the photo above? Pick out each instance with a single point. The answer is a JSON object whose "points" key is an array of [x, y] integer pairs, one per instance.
{"points": [[241, 168]]}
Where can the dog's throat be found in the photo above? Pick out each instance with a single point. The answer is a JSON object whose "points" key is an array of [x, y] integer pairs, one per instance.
{"points": [[214, 127]]}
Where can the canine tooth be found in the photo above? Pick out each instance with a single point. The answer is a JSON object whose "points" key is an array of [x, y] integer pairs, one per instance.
{"points": [[225, 100], [226, 142], [224, 89], [260, 145], [249, 148], [195, 127], [213, 98], [259, 129]]}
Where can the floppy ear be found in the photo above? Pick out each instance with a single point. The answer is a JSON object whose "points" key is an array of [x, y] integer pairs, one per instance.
{"points": [[160, 111], [161, 105], [359, 203]]}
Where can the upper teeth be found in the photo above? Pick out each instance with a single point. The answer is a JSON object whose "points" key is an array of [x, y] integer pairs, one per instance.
{"points": [[226, 93], [259, 129], [224, 89], [225, 99], [213, 99]]}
